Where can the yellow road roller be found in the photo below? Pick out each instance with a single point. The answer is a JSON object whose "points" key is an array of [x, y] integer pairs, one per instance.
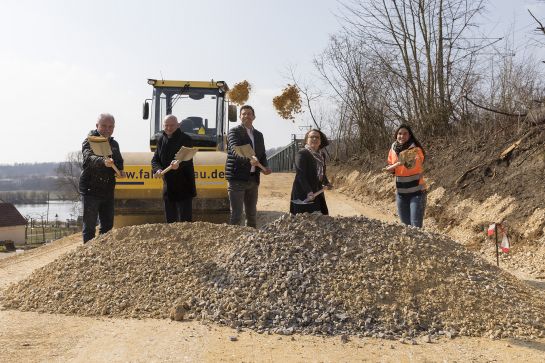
{"points": [[203, 113]]}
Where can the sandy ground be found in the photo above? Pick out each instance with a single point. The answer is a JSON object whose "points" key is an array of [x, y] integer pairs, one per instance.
{"points": [[34, 337]]}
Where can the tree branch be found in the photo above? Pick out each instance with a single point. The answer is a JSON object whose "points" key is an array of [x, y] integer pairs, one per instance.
{"points": [[540, 27], [493, 110]]}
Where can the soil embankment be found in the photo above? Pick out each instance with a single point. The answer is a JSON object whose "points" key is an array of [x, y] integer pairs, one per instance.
{"points": [[490, 174]]}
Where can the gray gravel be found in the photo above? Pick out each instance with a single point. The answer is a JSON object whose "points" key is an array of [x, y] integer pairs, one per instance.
{"points": [[307, 274]]}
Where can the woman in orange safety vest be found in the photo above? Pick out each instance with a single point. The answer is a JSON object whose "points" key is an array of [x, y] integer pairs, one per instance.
{"points": [[408, 171]]}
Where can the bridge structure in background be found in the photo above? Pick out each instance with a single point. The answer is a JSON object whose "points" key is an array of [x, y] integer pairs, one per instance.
{"points": [[284, 159]]}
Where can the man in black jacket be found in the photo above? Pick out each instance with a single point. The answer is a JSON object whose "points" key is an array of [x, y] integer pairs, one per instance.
{"points": [[241, 173], [178, 183], [97, 180]]}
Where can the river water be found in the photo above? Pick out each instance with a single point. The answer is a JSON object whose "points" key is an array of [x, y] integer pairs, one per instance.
{"points": [[60, 210]]}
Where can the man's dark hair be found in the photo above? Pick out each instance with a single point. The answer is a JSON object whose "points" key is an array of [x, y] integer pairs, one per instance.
{"points": [[323, 139], [246, 107]]}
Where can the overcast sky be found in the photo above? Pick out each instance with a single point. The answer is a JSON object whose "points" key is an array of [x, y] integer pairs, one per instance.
{"points": [[64, 62]]}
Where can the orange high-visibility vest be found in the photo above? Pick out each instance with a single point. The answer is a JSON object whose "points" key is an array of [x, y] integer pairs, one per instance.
{"points": [[408, 180]]}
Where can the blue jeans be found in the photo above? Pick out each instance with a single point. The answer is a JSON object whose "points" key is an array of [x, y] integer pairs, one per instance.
{"points": [[411, 208], [93, 208], [243, 194], [178, 210]]}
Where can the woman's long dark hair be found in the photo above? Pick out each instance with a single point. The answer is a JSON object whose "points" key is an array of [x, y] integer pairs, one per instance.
{"points": [[412, 138]]}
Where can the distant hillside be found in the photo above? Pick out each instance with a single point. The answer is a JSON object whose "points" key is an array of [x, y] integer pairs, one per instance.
{"points": [[22, 178], [32, 182], [21, 170]]}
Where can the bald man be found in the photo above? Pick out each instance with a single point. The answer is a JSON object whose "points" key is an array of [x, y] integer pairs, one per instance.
{"points": [[179, 183]]}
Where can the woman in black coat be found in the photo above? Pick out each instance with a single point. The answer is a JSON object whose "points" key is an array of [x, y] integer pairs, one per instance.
{"points": [[310, 175]]}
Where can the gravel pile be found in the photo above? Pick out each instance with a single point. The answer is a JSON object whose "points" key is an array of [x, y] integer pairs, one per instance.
{"points": [[307, 274]]}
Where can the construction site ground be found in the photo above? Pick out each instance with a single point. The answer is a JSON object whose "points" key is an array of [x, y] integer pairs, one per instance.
{"points": [[40, 337]]}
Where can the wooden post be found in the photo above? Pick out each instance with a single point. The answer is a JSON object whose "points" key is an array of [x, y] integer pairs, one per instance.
{"points": [[43, 230], [47, 216]]}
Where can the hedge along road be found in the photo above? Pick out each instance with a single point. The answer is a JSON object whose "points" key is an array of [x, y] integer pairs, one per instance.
{"points": [[35, 337]]}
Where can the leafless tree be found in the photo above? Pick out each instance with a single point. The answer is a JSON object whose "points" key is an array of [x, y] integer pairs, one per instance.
{"points": [[424, 62], [422, 47], [68, 173], [359, 89], [509, 84]]}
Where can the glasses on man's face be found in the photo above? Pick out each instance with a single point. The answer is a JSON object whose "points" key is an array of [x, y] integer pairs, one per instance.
{"points": [[314, 137]]}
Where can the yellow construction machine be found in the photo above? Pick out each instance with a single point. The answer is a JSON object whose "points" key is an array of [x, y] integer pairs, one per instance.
{"points": [[203, 113]]}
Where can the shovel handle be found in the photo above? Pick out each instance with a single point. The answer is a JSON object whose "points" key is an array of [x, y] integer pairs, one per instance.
{"points": [[318, 193], [259, 164], [392, 167], [168, 168], [117, 172], [314, 195]]}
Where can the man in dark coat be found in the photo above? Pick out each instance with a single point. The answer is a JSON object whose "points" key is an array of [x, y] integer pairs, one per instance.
{"points": [[97, 180], [178, 183], [242, 173]]}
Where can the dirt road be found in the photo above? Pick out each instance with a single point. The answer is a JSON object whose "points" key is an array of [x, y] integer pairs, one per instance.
{"points": [[34, 337]]}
